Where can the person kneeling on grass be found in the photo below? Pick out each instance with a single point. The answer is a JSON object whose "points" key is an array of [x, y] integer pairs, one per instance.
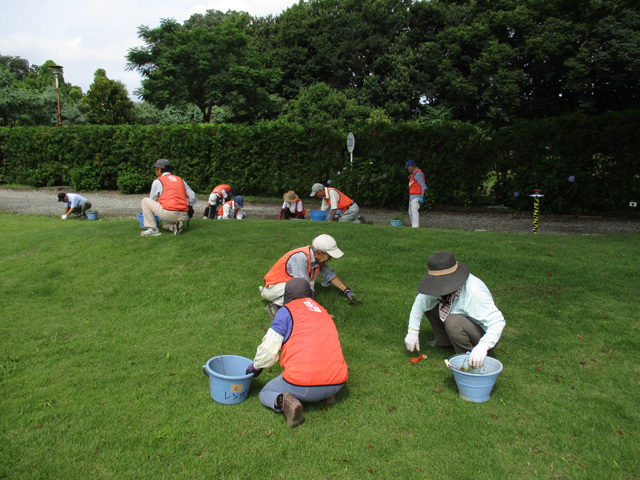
{"points": [[306, 263], [171, 199], [232, 209], [313, 366], [74, 204], [459, 307]]}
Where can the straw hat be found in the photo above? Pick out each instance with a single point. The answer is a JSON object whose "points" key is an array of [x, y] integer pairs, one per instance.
{"points": [[445, 275], [290, 196]]}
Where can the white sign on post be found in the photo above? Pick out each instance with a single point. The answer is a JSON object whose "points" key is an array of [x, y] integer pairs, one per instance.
{"points": [[351, 143]]}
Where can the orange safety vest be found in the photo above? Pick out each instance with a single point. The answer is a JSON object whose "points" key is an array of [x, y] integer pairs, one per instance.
{"points": [[414, 187], [304, 212], [344, 202], [278, 273], [312, 355], [174, 194], [219, 189], [231, 203]]}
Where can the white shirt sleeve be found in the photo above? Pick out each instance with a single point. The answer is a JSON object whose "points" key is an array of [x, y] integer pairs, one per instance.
{"points": [[476, 303], [421, 305], [267, 353], [156, 190]]}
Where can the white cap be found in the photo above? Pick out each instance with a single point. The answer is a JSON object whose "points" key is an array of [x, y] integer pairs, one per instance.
{"points": [[326, 243]]}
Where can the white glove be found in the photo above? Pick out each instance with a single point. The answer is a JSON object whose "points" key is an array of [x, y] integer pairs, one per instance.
{"points": [[478, 354], [412, 341], [63, 217]]}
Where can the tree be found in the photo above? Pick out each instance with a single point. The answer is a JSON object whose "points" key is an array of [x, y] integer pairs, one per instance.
{"points": [[321, 104], [18, 106], [108, 101], [209, 61]]}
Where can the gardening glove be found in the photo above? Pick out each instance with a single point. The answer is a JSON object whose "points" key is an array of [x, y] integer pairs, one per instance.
{"points": [[351, 296], [412, 341], [421, 201], [63, 217], [254, 370], [478, 354]]}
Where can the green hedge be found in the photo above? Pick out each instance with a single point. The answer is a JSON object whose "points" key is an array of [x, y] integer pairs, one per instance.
{"points": [[460, 160], [581, 164]]}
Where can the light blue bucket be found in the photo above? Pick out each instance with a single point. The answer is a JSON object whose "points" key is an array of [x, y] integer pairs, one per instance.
{"points": [[228, 382], [318, 215], [475, 387], [141, 220], [92, 215], [397, 223]]}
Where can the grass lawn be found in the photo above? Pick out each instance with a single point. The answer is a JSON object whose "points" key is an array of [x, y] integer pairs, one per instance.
{"points": [[103, 335]]}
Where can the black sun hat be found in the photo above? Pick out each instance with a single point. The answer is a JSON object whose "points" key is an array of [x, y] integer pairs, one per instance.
{"points": [[445, 275]]}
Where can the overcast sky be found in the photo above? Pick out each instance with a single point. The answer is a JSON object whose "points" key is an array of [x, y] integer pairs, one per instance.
{"points": [[85, 35]]}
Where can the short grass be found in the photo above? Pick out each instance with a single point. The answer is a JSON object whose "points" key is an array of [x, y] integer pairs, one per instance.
{"points": [[103, 335]]}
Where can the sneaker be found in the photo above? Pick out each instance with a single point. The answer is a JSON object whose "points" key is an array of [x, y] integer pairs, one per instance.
{"points": [[177, 227], [292, 409], [150, 232], [272, 308]]}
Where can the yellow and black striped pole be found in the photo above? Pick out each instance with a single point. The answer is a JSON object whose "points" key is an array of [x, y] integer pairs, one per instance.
{"points": [[536, 209]]}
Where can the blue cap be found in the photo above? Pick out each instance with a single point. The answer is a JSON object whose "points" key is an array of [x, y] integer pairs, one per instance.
{"points": [[240, 201], [409, 164]]}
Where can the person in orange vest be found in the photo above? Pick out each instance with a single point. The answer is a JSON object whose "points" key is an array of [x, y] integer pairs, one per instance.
{"points": [[171, 199], [218, 196], [333, 200], [231, 209], [417, 187], [313, 365], [306, 263], [292, 207]]}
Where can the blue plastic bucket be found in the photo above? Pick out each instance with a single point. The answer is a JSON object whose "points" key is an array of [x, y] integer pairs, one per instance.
{"points": [[141, 220], [228, 382], [92, 215], [475, 387], [397, 223], [318, 215]]}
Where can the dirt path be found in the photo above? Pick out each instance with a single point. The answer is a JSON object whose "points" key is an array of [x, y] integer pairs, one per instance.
{"points": [[43, 201]]}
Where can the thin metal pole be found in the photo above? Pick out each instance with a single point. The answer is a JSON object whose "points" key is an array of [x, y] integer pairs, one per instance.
{"points": [[58, 97]]}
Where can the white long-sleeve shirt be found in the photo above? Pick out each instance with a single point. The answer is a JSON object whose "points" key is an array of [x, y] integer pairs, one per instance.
{"points": [[475, 302]]}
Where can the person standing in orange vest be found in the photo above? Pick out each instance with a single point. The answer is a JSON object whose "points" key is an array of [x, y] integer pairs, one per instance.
{"points": [[417, 187], [170, 199], [218, 196], [306, 263], [333, 200], [313, 365]]}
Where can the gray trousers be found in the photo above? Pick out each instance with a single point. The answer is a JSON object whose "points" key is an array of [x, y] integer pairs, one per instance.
{"points": [[351, 214], [458, 331], [279, 385]]}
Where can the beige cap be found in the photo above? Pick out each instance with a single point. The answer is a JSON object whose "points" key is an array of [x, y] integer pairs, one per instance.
{"points": [[316, 188], [326, 243]]}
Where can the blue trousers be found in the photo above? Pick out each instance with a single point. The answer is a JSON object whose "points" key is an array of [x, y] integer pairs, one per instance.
{"points": [[279, 385]]}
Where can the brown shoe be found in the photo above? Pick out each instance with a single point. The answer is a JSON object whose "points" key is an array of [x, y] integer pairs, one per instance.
{"points": [[330, 400], [292, 408]]}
